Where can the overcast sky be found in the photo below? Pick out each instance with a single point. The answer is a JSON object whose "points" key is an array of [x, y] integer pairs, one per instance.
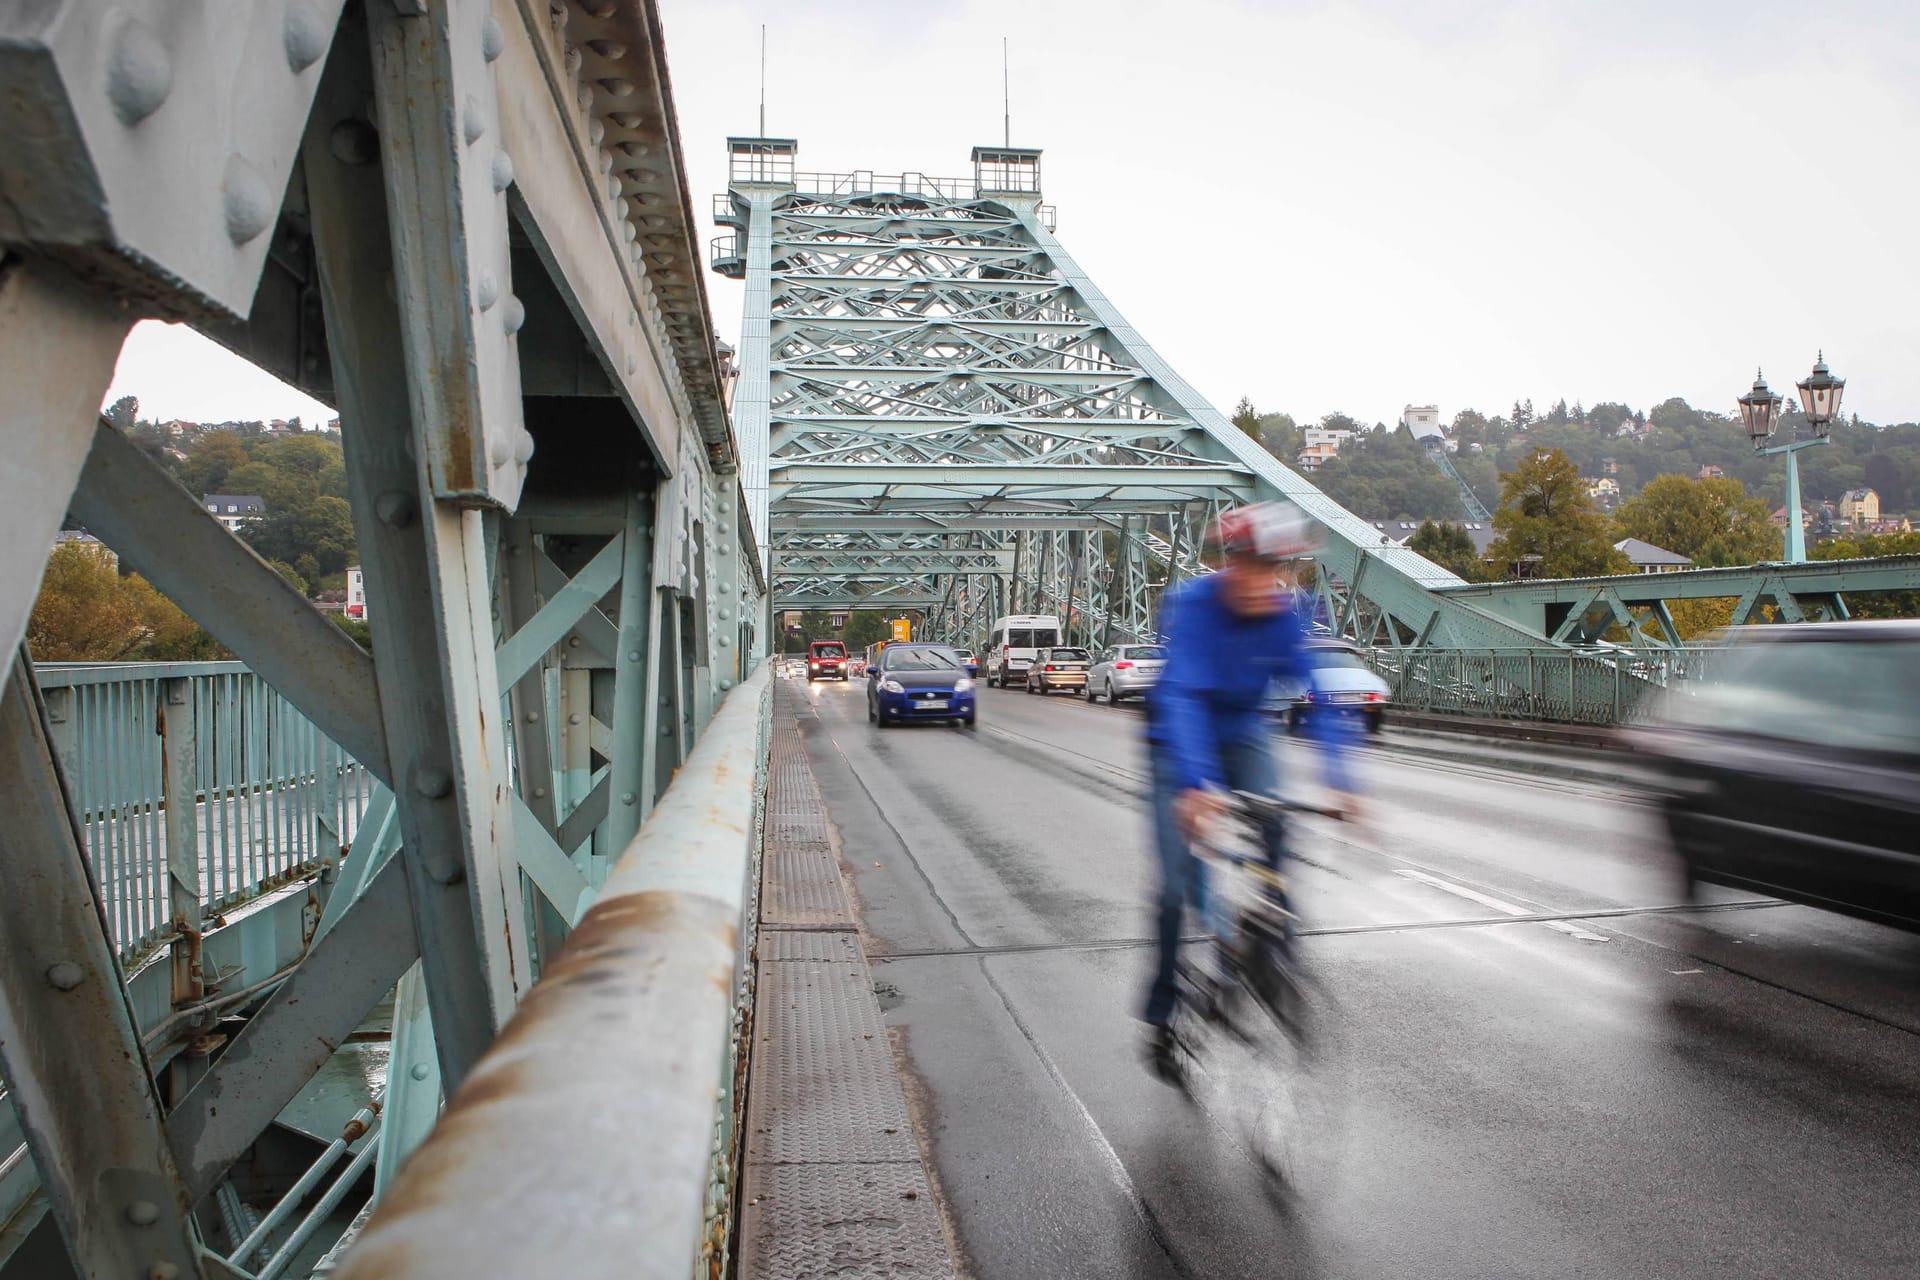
{"points": [[1359, 205]]}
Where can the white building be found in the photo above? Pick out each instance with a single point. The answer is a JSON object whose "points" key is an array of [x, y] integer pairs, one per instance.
{"points": [[84, 541], [1423, 420], [1332, 437], [356, 593], [1312, 456], [234, 509]]}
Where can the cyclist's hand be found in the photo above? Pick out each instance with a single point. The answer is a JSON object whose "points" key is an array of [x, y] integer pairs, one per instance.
{"points": [[1198, 809]]}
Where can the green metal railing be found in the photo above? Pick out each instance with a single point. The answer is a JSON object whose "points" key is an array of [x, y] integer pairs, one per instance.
{"points": [[272, 798], [1560, 685]]}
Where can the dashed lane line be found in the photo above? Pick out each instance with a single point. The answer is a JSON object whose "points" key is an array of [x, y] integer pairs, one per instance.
{"points": [[1487, 900]]}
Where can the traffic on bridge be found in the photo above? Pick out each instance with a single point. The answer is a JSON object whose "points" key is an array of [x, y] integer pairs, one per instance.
{"points": [[593, 697]]}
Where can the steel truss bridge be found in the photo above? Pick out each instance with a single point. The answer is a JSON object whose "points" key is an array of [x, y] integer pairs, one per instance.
{"points": [[939, 410], [466, 224]]}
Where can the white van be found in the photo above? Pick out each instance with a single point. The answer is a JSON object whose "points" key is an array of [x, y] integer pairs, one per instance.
{"points": [[1011, 645]]}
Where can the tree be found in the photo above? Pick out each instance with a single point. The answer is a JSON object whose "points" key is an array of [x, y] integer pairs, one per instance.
{"points": [[1450, 547], [1548, 526], [1875, 604], [87, 612], [1246, 418], [865, 627], [1712, 522], [214, 456], [124, 412]]}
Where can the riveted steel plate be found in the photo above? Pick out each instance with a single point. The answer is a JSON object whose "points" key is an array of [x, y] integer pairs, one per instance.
{"points": [[843, 1221], [809, 944], [802, 887]]}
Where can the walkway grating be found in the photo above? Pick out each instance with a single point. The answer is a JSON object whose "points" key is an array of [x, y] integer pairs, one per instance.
{"points": [[833, 1183]]}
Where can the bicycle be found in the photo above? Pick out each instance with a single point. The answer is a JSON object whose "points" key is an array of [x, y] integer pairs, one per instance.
{"points": [[1243, 1048]]}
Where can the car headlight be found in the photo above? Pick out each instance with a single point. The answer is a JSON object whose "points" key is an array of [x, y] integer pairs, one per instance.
{"points": [[893, 686], [962, 685]]}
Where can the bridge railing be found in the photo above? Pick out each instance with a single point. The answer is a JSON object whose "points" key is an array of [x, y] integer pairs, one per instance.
{"points": [[864, 182], [1566, 685], [157, 754]]}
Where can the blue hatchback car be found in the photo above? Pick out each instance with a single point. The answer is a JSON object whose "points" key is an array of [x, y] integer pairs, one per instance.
{"points": [[919, 682]]}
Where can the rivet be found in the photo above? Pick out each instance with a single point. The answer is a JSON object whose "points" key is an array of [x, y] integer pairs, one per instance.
{"points": [[632, 363], [726, 684], [434, 784], [247, 200], [610, 49], [143, 1213], [512, 316], [65, 975], [627, 120], [617, 87], [724, 549], [633, 317], [163, 1271], [531, 717], [666, 731], [499, 449], [725, 641], [306, 35], [725, 614], [493, 41], [627, 797], [486, 290], [472, 123], [573, 642], [522, 445], [395, 509], [502, 171], [583, 94], [419, 1071], [539, 793], [575, 717], [139, 72], [571, 56]]}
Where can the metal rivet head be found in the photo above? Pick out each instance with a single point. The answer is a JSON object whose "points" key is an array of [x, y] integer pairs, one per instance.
{"points": [[143, 1213], [617, 87], [725, 614], [433, 783], [473, 123], [305, 35], [666, 731], [493, 41], [726, 642], [633, 655], [500, 449], [522, 445], [531, 717], [246, 199], [627, 797], [612, 50], [539, 793], [574, 718], [486, 290], [512, 315], [65, 975], [573, 642], [139, 72], [396, 509], [726, 684], [419, 1071], [163, 1271], [502, 171], [354, 142]]}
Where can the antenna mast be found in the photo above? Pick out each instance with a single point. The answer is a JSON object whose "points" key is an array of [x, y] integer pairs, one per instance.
{"points": [[1006, 97], [763, 79]]}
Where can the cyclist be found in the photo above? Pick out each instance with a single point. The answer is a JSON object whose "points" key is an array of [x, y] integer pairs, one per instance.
{"points": [[1229, 635]]}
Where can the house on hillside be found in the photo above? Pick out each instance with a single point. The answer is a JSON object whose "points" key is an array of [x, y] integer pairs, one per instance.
{"points": [[234, 509], [356, 593], [81, 540], [1860, 507], [1779, 518], [1647, 558], [1708, 471], [1310, 458], [1604, 490]]}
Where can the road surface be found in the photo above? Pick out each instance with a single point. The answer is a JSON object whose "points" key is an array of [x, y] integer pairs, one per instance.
{"points": [[1656, 1094]]}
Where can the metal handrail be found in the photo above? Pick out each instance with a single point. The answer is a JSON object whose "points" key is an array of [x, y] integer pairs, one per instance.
{"points": [[1596, 686], [607, 1098]]}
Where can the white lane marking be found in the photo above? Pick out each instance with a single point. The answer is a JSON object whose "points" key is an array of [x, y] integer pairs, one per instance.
{"points": [[1507, 908], [1685, 971]]}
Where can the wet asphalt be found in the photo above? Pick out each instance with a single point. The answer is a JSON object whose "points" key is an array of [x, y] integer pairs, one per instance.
{"points": [[1650, 1092]]}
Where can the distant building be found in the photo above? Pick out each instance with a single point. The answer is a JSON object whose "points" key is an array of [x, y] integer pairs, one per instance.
{"points": [[1397, 532], [1610, 466], [1423, 422], [1779, 518], [356, 593], [1604, 490], [1708, 471], [1647, 558], [1859, 506], [1333, 436], [81, 540], [1310, 458], [234, 509]]}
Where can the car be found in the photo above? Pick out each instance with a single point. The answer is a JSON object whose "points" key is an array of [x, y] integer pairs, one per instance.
{"points": [[1060, 667], [826, 660], [1125, 671], [970, 662], [1012, 644], [857, 667], [1342, 684], [1791, 767], [920, 681]]}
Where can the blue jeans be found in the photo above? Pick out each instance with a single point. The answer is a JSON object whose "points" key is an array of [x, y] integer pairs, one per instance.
{"points": [[1248, 766]]}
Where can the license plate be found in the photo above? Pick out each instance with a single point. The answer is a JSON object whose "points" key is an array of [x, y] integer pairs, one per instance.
{"points": [[936, 704]]}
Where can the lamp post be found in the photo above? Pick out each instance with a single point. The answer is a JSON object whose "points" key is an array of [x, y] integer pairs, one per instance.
{"points": [[1760, 414]]}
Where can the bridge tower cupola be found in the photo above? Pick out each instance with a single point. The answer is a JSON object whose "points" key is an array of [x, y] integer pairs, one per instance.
{"points": [[1006, 171]]}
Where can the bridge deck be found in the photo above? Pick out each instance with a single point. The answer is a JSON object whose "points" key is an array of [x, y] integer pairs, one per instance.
{"points": [[1653, 1093]]}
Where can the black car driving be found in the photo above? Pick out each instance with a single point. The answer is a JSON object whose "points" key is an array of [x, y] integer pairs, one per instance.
{"points": [[1794, 769]]}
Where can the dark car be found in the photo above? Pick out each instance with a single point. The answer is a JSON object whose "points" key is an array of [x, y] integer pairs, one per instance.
{"points": [[1792, 767], [919, 682]]}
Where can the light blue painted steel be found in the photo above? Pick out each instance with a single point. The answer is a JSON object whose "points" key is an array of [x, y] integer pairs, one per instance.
{"points": [[562, 611], [1796, 531]]}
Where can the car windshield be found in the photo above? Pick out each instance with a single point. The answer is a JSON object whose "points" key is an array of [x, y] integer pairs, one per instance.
{"points": [[1145, 652], [1023, 638], [1338, 659], [922, 660], [1068, 655], [828, 651], [1829, 693]]}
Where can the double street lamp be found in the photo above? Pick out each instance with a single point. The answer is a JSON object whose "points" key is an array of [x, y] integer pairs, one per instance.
{"points": [[1760, 414]]}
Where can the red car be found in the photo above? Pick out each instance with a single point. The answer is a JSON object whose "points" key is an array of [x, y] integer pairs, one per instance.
{"points": [[826, 660]]}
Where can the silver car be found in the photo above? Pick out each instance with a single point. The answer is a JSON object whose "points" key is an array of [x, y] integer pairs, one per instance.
{"points": [[1126, 671]]}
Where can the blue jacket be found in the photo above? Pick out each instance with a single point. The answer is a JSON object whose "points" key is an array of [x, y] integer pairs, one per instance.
{"points": [[1220, 667]]}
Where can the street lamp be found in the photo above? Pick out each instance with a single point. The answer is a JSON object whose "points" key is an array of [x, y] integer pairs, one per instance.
{"points": [[1760, 414]]}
